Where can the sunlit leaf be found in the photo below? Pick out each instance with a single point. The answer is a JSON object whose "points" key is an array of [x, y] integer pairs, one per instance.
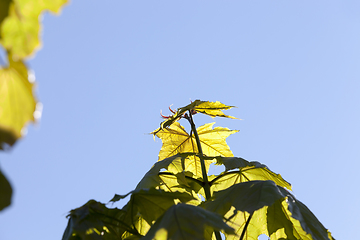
{"points": [[247, 171], [183, 222], [272, 206], [20, 29], [5, 192], [169, 175], [213, 142], [213, 109], [179, 114], [17, 101]]}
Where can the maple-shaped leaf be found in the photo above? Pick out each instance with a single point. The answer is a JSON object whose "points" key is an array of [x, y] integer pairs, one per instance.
{"points": [[213, 109], [247, 171], [176, 140], [20, 30], [5, 192], [269, 209], [17, 101], [183, 222], [146, 205]]}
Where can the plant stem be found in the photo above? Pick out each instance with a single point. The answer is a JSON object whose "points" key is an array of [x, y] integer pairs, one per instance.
{"points": [[245, 227], [203, 168], [202, 161]]}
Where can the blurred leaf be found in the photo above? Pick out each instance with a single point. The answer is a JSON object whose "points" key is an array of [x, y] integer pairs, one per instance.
{"points": [[182, 222], [17, 101], [5, 192], [213, 142], [248, 171], [4, 10], [20, 30]]}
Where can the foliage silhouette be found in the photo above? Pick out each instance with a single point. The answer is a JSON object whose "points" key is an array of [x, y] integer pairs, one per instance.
{"points": [[176, 199]]}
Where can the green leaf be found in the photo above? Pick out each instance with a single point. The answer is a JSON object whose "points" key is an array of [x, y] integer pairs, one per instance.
{"points": [[4, 10], [213, 142], [171, 180], [118, 197], [94, 221], [17, 102], [146, 205], [179, 114], [248, 171], [5, 192], [213, 109], [184, 221], [20, 29], [276, 212], [245, 197]]}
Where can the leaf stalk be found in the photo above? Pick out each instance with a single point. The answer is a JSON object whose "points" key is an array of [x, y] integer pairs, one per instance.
{"points": [[201, 155], [202, 162]]}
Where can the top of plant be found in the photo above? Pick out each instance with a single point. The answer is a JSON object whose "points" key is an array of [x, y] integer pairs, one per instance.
{"points": [[176, 199]]}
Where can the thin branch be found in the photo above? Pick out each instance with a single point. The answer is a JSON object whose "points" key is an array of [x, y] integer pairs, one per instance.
{"points": [[246, 226]]}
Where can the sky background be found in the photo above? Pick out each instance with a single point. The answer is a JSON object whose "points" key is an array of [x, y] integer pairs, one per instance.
{"points": [[106, 70]]}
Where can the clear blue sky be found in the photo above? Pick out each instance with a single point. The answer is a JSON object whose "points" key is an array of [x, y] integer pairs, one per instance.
{"points": [[107, 69]]}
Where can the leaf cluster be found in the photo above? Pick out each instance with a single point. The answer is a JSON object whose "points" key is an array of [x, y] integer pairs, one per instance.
{"points": [[177, 199]]}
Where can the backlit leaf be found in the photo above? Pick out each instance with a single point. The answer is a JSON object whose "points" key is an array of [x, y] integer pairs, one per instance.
{"points": [[283, 216], [213, 109], [183, 222], [20, 29], [179, 114], [247, 196], [146, 205], [247, 171], [213, 142], [17, 101]]}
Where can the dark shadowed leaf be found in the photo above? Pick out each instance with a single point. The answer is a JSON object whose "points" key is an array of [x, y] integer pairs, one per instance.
{"points": [[146, 205], [183, 222], [94, 221], [5, 192], [276, 212]]}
